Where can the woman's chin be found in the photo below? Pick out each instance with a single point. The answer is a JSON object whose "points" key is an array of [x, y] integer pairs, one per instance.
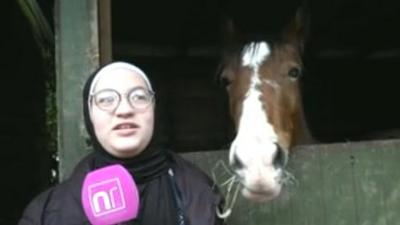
{"points": [[126, 151]]}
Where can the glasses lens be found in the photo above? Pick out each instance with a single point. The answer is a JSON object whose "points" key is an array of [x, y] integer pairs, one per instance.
{"points": [[140, 98], [106, 99]]}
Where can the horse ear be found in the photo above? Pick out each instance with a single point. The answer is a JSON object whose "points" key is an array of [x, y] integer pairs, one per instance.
{"points": [[229, 41], [229, 36], [297, 30]]}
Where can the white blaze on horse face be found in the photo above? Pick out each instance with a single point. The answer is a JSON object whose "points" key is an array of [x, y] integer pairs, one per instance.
{"points": [[254, 145], [254, 54]]}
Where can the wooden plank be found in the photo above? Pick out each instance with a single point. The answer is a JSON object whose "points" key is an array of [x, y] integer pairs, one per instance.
{"points": [[105, 40], [303, 194], [338, 185], [369, 174], [77, 55], [346, 184], [390, 181]]}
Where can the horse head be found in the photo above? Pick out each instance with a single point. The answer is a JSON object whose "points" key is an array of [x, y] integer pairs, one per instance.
{"points": [[262, 81]]}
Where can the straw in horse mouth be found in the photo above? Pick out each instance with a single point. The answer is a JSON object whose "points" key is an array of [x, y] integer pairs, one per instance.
{"points": [[288, 178]]}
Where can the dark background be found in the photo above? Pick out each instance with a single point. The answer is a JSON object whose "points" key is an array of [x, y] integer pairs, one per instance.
{"points": [[351, 60], [350, 89]]}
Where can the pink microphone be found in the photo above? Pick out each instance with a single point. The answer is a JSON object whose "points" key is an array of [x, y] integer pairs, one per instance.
{"points": [[110, 196]]}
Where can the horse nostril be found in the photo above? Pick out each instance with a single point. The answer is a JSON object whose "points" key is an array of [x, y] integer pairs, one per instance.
{"points": [[236, 163], [280, 157]]}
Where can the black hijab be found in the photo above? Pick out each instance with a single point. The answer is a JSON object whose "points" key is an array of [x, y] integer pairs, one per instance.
{"points": [[149, 169]]}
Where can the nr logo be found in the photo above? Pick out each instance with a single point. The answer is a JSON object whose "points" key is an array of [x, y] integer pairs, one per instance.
{"points": [[106, 197]]}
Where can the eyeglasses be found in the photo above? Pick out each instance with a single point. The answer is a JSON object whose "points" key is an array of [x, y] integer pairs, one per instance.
{"points": [[109, 99]]}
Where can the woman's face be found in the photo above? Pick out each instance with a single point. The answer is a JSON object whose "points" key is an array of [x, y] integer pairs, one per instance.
{"points": [[125, 131]]}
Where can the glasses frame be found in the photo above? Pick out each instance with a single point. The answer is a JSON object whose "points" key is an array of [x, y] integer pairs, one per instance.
{"points": [[120, 95]]}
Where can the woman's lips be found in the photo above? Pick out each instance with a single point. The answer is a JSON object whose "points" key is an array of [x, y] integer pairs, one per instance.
{"points": [[125, 129]]}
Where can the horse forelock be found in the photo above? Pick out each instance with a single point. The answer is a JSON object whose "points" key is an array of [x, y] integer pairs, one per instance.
{"points": [[254, 54], [247, 54]]}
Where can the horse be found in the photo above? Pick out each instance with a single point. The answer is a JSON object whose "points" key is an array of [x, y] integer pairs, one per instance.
{"points": [[262, 79]]}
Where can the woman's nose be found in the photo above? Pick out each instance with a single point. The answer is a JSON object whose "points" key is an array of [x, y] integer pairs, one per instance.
{"points": [[124, 108]]}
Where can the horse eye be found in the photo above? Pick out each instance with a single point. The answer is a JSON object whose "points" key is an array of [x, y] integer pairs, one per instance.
{"points": [[225, 81], [294, 72]]}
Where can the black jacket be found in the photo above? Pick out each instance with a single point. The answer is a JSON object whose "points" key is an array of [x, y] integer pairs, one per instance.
{"points": [[61, 205]]}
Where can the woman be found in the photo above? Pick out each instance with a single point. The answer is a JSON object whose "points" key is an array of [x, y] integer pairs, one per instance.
{"points": [[118, 103]]}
